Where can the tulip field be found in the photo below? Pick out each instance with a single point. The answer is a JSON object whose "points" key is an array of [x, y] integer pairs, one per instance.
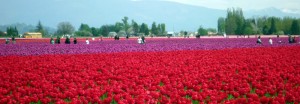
{"points": [[161, 71]]}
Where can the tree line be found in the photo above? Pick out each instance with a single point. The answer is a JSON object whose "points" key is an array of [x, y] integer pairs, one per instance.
{"points": [[123, 28], [235, 23]]}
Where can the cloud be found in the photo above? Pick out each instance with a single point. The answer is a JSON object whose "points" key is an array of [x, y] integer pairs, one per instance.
{"points": [[293, 11], [244, 4]]}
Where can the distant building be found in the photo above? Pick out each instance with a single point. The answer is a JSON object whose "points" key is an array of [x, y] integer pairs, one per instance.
{"points": [[170, 33], [32, 35], [112, 34]]}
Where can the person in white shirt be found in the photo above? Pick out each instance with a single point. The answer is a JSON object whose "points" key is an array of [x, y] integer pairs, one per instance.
{"points": [[140, 40], [270, 41], [87, 41]]}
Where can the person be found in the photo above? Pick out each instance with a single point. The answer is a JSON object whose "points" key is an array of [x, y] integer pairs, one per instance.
{"points": [[68, 40], [143, 39], [13, 40], [294, 39], [51, 41], [57, 40], [7, 41], [290, 39], [117, 37], [140, 40], [258, 40], [87, 41], [75, 41], [270, 41]]}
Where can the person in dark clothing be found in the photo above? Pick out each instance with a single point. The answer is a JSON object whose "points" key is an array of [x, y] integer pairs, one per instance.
{"points": [[68, 41], [75, 41], [13, 40], [258, 40], [143, 39], [57, 40], [7, 41]]}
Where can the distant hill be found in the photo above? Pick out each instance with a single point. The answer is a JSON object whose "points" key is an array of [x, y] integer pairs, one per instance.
{"points": [[98, 12], [22, 28]]}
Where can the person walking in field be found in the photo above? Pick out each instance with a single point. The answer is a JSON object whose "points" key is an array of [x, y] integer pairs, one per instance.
{"points": [[143, 39], [139, 40], [75, 41], [270, 41], [87, 41], [258, 40], [51, 41], [7, 41]]}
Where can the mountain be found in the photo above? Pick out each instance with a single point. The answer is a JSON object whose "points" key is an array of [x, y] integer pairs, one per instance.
{"points": [[176, 16], [22, 28], [269, 12]]}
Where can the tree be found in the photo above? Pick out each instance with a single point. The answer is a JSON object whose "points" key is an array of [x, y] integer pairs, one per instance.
{"points": [[265, 30], [163, 28], [84, 27], [144, 29], [295, 28], [95, 31], [135, 27], [154, 29], [126, 25], [221, 25], [273, 27], [12, 31], [104, 30], [118, 27], [40, 28], [202, 31], [64, 28], [230, 26]]}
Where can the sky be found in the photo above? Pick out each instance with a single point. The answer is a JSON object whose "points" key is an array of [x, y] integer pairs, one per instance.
{"points": [[99, 12], [289, 6]]}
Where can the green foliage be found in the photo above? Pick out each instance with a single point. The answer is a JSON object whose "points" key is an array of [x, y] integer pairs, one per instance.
{"points": [[195, 102], [161, 84], [12, 31], [104, 96], [125, 24], [135, 27], [221, 25], [64, 28], [295, 28], [229, 97], [268, 95], [234, 21], [83, 33], [113, 102], [252, 90], [40, 28], [273, 27], [39, 102], [67, 100], [84, 27], [154, 29], [144, 29], [202, 31]]}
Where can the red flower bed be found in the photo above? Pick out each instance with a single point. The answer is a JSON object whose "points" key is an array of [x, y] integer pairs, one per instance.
{"points": [[254, 75]]}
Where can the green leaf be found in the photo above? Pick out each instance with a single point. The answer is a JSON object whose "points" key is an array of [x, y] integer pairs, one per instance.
{"points": [[229, 97], [267, 95], [161, 84], [113, 102], [104, 96], [195, 102], [252, 90], [67, 100]]}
